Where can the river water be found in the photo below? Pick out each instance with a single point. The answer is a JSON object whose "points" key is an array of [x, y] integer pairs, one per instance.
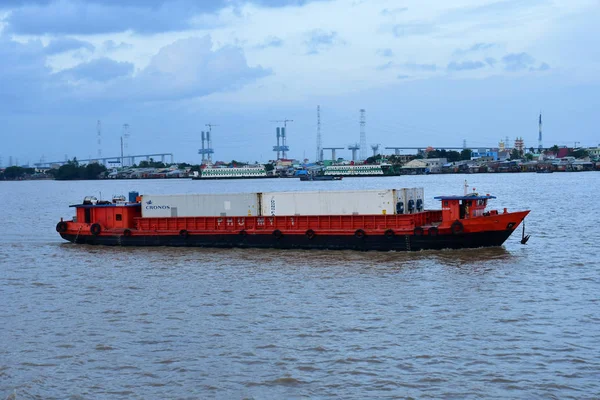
{"points": [[83, 322]]}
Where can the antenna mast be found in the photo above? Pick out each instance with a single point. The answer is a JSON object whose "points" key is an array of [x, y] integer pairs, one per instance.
{"points": [[319, 138], [125, 143], [209, 149], [540, 135], [363, 135], [99, 138]]}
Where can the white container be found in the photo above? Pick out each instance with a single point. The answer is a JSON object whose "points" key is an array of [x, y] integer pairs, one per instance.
{"points": [[414, 200], [401, 202], [200, 205], [363, 202], [420, 199], [411, 201]]}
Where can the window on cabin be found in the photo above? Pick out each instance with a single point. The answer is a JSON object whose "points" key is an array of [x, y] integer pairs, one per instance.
{"points": [[119, 217], [87, 215]]}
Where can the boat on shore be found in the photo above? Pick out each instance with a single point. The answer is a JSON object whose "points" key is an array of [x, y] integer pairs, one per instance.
{"points": [[246, 172], [382, 220], [311, 177]]}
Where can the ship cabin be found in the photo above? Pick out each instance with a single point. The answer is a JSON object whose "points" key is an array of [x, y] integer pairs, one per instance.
{"points": [[115, 214], [464, 207]]}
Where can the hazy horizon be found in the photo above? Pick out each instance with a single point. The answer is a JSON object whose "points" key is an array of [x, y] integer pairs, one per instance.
{"points": [[428, 73]]}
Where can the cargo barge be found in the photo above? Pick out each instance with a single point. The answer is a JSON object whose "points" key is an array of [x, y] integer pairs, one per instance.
{"points": [[385, 220]]}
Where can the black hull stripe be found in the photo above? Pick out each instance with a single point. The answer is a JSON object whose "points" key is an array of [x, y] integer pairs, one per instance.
{"points": [[331, 242]]}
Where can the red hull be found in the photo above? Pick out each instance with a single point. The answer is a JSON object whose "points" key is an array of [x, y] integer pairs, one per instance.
{"points": [[321, 231]]}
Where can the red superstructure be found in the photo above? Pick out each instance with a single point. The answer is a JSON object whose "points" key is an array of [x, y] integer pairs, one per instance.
{"points": [[462, 222]]}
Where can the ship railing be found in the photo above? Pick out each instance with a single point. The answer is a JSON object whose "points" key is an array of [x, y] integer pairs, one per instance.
{"points": [[332, 223]]}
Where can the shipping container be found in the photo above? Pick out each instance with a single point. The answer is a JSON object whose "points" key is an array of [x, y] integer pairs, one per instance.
{"points": [[363, 202], [411, 200], [401, 202], [420, 199], [200, 205]]}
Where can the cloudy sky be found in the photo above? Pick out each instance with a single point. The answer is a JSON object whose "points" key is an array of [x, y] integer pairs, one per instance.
{"points": [[428, 73]]}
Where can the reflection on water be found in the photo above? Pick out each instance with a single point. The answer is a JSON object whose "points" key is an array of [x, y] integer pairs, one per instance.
{"points": [[107, 322]]}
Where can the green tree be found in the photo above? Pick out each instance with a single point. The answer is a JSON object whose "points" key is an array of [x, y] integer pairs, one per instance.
{"points": [[151, 164], [373, 159], [72, 170], [68, 171], [15, 172], [466, 154], [235, 163], [554, 149], [94, 171], [453, 156], [515, 154], [269, 167]]}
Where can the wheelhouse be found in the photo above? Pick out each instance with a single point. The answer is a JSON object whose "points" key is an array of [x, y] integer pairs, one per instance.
{"points": [[463, 207], [115, 214]]}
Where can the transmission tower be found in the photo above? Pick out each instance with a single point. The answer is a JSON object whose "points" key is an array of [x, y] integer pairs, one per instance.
{"points": [[363, 135], [540, 135], [209, 146], [126, 136], [99, 138], [319, 138], [282, 133]]}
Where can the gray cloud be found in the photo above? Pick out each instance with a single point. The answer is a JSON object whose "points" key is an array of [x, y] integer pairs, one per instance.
{"points": [[79, 17], [407, 66], [24, 77], [517, 61], [62, 45], [39, 17], [393, 11], [402, 76], [271, 41], [187, 68], [412, 29], [504, 6], [111, 45], [542, 67], [99, 70], [475, 48], [420, 67], [490, 61], [385, 52], [320, 40], [385, 66], [465, 65]]}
